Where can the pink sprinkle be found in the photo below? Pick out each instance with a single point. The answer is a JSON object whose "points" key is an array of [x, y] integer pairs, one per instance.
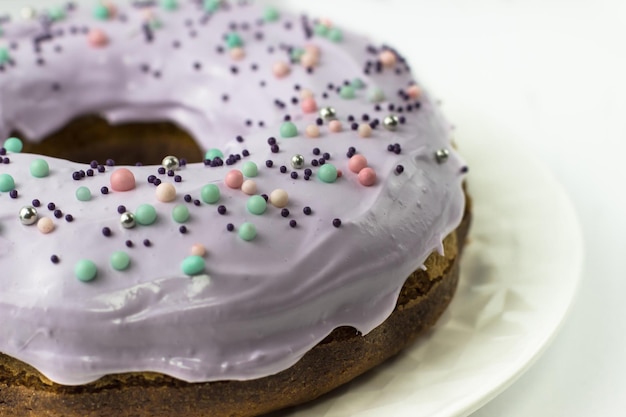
{"points": [[367, 177], [365, 130], [414, 91], [112, 8], [312, 49], [249, 187], [308, 105], [234, 179], [309, 60], [357, 163], [97, 38], [306, 93], [388, 58], [339, 173], [237, 54], [45, 225], [312, 131], [198, 249], [326, 22], [147, 14], [122, 179], [281, 69], [335, 126], [166, 192]]}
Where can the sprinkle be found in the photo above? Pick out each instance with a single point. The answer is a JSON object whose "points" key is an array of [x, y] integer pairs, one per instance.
{"points": [[198, 249], [212, 5], [58, 214], [335, 35], [284, 212], [166, 192], [221, 209], [307, 210], [85, 270], [367, 177], [256, 205], [45, 225], [237, 54], [414, 92], [54, 259], [308, 105], [193, 265], [335, 126], [312, 131], [230, 227], [69, 218], [169, 4], [357, 163], [388, 58], [281, 69], [279, 198], [5, 56], [442, 155], [376, 95], [213, 153], [170, 163], [250, 169], [391, 122], [183, 229], [357, 83], [347, 92], [249, 187], [13, 194], [399, 169], [127, 220], [328, 113], [101, 12], [122, 179], [327, 173], [283, 169], [297, 161], [288, 130], [106, 231], [247, 232], [97, 38], [147, 243], [210, 194], [120, 260], [294, 175], [7, 183], [337, 223], [270, 14], [129, 243], [234, 179], [233, 40], [365, 130], [269, 163], [180, 214], [145, 214], [14, 145]]}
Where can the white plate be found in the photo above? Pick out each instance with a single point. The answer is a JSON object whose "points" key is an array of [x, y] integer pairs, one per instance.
{"points": [[519, 276]]}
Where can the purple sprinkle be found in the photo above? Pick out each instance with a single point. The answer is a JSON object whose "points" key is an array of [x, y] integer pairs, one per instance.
{"points": [[129, 243], [316, 151], [51, 206], [326, 156], [183, 162], [187, 198], [271, 141], [399, 169], [307, 210], [307, 177], [157, 182], [351, 118], [245, 153], [110, 162], [284, 212], [293, 223], [390, 147], [106, 231], [354, 126], [36, 203], [69, 218], [294, 175], [464, 170], [104, 190], [151, 179], [221, 209], [269, 163], [6, 160], [3, 151], [308, 172], [147, 243], [54, 259], [265, 196], [240, 139], [319, 121], [321, 161], [275, 148], [337, 223], [13, 193], [101, 168], [76, 176], [230, 227], [89, 172], [196, 203], [178, 178], [121, 209], [170, 173], [314, 162], [161, 171], [58, 214], [182, 229], [82, 173], [283, 169]]}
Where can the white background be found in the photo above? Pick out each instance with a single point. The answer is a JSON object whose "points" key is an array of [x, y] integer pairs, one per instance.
{"points": [[551, 74]]}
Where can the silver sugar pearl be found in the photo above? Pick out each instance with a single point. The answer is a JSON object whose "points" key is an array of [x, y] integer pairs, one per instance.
{"points": [[28, 215], [127, 220], [297, 161], [442, 155], [170, 163], [28, 13], [391, 122], [328, 113]]}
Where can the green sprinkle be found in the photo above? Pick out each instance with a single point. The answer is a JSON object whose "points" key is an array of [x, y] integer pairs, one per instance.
{"points": [[212, 5], [296, 54], [288, 130], [180, 214], [120, 261], [233, 40], [335, 35], [145, 215], [213, 153], [247, 231], [85, 270], [327, 173], [376, 95], [5, 56], [347, 92], [57, 13], [6, 183], [156, 24], [101, 12], [169, 4], [270, 14], [210, 194], [193, 265], [14, 145], [321, 30], [250, 169], [357, 83], [256, 205], [83, 194], [39, 168]]}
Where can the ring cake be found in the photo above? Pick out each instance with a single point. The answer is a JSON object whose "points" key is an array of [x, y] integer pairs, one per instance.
{"points": [[319, 233]]}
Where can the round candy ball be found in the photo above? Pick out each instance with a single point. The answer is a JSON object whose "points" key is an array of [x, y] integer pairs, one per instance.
{"points": [[14, 145], [234, 179], [327, 173], [45, 225], [256, 205], [249, 187], [120, 260], [166, 192], [357, 163], [367, 177], [85, 270], [193, 265], [39, 168], [145, 215], [210, 194], [122, 179], [279, 198], [247, 231]]}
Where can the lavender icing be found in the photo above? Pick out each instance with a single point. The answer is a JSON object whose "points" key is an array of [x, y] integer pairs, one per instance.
{"points": [[261, 305]]}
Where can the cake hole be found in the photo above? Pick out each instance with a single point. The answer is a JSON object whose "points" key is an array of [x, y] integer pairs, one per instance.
{"points": [[91, 137]]}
